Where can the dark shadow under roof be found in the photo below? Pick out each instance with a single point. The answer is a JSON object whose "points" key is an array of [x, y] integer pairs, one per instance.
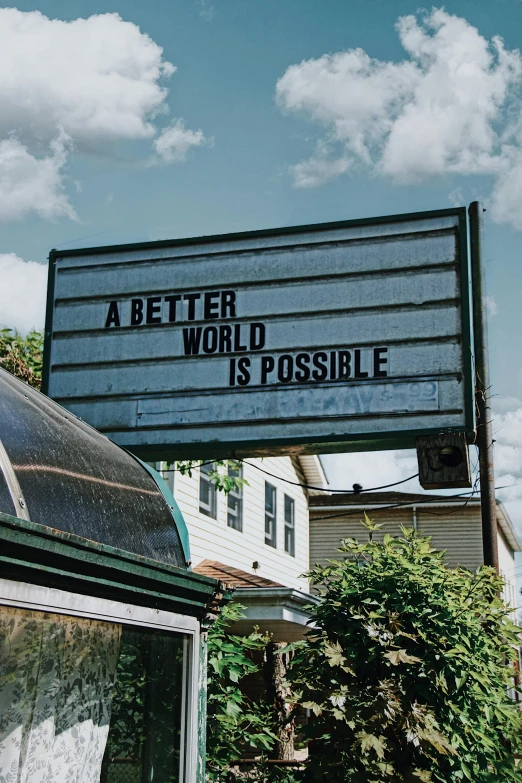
{"points": [[375, 498]]}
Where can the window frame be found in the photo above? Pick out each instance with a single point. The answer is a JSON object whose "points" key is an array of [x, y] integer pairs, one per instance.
{"points": [[52, 600], [271, 518], [289, 525], [212, 510], [238, 495]]}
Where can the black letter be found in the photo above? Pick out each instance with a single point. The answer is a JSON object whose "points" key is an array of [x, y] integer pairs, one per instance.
{"points": [[113, 316], [191, 340], [191, 299], [225, 338], [153, 306], [210, 339], [257, 336], [320, 360], [357, 373], [242, 365], [267, 365], [136, 312], [377, 361], [333, 365], [345, 364], [228, 302], [237, 339], [285, 375], [172, 306], [301, 361], [232, 375], [211, 308]]}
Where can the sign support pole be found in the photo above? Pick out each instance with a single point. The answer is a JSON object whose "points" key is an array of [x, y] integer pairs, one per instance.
{"points": [[484, 440]]}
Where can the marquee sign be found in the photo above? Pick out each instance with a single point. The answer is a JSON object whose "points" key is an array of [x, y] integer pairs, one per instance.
{"points": [[330, 337]]}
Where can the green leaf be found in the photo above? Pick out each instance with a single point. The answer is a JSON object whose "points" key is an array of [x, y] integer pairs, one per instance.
{"points": [[371, 742], [423, 774], [401, 656]]}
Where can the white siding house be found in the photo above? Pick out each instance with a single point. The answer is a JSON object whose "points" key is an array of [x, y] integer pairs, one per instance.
{"points": [[213, 530], [257, 539]]}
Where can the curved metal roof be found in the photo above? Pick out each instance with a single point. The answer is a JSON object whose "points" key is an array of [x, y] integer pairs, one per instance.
{"points": [[57, 471]]}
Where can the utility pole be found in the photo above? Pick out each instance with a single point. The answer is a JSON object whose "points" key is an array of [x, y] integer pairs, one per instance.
{"points": [[484, 440]]}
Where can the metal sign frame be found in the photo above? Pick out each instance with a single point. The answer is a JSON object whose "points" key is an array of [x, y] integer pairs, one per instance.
{"points": [[369, 441]]}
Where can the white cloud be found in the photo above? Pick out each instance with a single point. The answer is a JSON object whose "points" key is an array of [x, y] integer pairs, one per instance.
{"points": [[174, 142], [30, 184], [456, 197], [319, 168], [98, 78], [372, 469], [206, 10], [22, 293], [94, 81], [491, 306], [507, 431], [506, 198], [443, 109]]}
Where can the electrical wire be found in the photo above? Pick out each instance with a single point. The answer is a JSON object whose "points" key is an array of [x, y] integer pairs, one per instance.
{"points": [[323, 489], [350, 491], [474, 491], [298, 483], [461, 496], [386, 508]]}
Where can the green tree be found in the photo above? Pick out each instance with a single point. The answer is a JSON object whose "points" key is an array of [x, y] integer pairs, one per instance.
{"points": [[407, 670], [236, 723], [224, 475], [22, 356]]}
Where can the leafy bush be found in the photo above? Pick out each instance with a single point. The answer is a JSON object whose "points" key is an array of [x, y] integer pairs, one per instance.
{"points": [[22, 356], [224, 475], [408, 669], [235, 722]]}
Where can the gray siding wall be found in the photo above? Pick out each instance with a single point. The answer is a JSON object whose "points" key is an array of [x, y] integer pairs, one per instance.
{"points": [[458, 533]]}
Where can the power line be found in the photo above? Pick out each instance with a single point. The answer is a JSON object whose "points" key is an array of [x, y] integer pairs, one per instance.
{"points": [[298, 483], [347, 491], [460, 496], [322, 489]]}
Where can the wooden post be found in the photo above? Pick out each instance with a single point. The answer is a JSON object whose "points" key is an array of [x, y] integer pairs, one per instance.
{"points": [[276, 666], [482, 389]]}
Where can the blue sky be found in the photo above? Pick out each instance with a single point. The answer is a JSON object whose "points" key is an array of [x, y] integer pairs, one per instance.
{"points": [[218, 152]]}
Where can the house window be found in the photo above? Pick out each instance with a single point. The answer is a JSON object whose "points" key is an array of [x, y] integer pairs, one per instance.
{"points": [[290, 525], [121, 713], [207, 491], [235, 501], [168, 472], [270, 515]]}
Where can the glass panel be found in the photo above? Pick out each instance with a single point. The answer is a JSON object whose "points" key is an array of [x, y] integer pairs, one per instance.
{"points": [[6, 501], [207, 492], [270, 498], [270, 515], [145, 736], [168, 472], [90, 701], [56, 685], [235, 501], [289, 525]]}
